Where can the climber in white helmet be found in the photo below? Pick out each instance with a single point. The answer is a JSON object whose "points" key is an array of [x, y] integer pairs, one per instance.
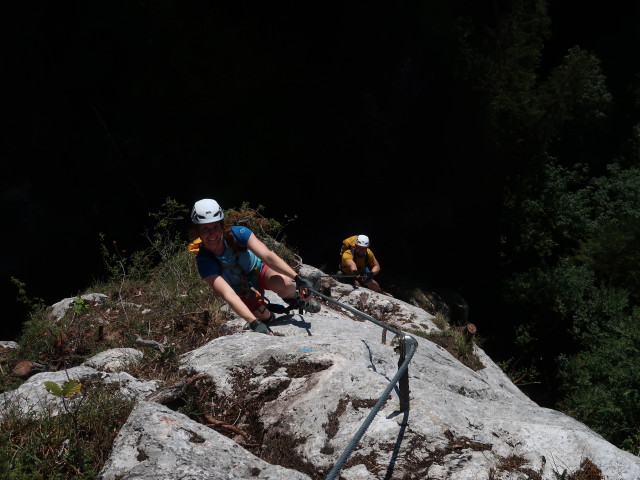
{"points": [[360, 261], [239, 268]]}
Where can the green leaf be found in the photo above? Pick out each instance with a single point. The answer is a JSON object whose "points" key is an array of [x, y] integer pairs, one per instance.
{"points": [[69, 388], [53, 388], [80, 305]]}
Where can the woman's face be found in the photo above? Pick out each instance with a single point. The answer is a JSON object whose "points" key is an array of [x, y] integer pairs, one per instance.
{"points": [[211, 234]]}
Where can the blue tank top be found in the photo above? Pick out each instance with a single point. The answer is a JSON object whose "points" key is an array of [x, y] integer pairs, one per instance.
{"points": [[235, 269]]}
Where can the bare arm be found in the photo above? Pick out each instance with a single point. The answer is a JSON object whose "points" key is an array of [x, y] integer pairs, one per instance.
{"points": [[270, 258], [375, 269], [224, 290], [351, 266]]}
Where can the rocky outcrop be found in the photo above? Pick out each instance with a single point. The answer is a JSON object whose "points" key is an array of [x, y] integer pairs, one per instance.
{"points": [[299, 397]]}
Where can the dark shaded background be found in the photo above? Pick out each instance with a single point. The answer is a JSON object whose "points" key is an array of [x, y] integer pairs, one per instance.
{"points": [[349, 117]]}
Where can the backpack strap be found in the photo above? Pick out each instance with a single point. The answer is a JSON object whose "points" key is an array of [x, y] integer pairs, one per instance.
{"points": [[246, 285]]}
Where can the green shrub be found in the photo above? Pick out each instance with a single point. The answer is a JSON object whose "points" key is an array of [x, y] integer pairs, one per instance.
{"points": [[47, 446]]}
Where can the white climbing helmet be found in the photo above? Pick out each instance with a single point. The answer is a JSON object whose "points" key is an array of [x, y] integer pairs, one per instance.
{"points": [[206, 210], [362, 241]]}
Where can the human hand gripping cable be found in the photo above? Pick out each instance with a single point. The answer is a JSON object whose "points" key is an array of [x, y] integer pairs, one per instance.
{"points": [[303, 285], [364, 277]]}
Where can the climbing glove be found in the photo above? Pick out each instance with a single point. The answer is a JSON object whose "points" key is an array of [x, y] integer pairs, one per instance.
{"points": [[302, 282], [259, 327]]}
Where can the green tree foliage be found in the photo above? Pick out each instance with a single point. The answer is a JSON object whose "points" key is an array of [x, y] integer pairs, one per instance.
{"points": [[576, 102], [576, 295], [569, 218], [571, 208], [600, 385], [553, 218], [613, 254], [567, 111], [499, 54]]}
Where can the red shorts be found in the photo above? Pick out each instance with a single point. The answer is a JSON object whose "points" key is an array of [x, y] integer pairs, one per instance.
{"points": [[254, 302]]}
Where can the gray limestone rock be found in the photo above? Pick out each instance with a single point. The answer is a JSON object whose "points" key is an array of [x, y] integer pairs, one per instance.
{"points": [[160, 444], [32, 397], [115, 359], [304, 394]]}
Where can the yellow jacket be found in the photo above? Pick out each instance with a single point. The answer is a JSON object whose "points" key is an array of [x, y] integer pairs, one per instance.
{"points": [[369, 260]]}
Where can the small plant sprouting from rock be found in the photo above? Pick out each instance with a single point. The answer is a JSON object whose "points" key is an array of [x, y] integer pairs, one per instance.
{"points": [[441, 321], [456, 344], [69, 390]]}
